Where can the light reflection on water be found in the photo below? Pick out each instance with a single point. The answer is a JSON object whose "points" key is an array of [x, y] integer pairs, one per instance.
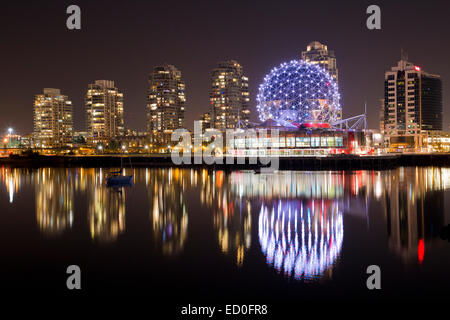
{"points": [[168, 211], [302, 240], [294, 219]]}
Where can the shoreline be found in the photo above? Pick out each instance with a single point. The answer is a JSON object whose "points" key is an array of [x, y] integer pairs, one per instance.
{"points": [[347, 162]]}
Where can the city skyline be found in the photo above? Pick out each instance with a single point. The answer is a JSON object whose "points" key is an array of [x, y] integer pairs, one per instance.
{"points": [[277, 153], [361, 63]]}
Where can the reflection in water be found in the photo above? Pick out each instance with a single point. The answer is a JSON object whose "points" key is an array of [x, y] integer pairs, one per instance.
{"points": [[168, 211], [233, 224], [11, 179], [106, 208], [231, 215], [306, 244], [54, 200], [288, 184], [301, 239], [413, 204], [300, 224]]}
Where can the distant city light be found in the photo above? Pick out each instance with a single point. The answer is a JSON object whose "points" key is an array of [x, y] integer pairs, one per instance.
{"points": [[417, 68]]}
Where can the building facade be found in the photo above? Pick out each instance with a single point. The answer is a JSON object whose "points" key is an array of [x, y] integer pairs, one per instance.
{"points": [[165, 103], [206, 120], [229, 96], [104, 110], [412, 106], [53, 119], [318, 53]]}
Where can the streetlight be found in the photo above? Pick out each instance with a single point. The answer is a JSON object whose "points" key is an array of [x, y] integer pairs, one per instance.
{"points": [[10, 131]]}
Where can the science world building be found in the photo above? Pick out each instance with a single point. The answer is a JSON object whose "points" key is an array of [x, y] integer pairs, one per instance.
{"points": [[299, 109]]}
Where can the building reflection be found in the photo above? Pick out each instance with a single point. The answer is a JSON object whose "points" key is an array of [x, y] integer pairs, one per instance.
{"points": [[232, 216], [106, 207], [168, 212], [11, 179], [296, 217], [54, 200], [413, 202]]}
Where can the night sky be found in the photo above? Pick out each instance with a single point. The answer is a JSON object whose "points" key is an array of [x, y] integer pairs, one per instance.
{"points": [[123, 40]]}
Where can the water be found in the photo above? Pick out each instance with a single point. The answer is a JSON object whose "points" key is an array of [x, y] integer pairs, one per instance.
{"points": [[197, 235]]}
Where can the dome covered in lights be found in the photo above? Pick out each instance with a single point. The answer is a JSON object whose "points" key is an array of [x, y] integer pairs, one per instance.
{"points": [[300, 92]]}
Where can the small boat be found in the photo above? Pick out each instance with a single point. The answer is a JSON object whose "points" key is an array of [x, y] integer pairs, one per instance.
{"points": [[118, 179], [115, 178]]}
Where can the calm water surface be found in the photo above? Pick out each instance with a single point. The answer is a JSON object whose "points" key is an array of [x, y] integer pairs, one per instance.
{"points": [[198, 235]]}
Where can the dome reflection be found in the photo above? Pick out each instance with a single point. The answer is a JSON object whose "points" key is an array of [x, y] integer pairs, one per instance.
{"points": [[301, 239]]}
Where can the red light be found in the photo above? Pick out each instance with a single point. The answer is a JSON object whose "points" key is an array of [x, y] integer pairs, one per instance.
{"points": [[417, 68], [421, 250], [316, 125]]}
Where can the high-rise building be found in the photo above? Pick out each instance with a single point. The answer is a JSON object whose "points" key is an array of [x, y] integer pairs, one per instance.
{"points": [[165, 103], [381, 116], [412, 105], [229, 96], [318, 53], [104, 110], [206, 120], [53, 119]]}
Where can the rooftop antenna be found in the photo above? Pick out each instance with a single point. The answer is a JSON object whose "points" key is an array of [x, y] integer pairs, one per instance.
{"points": [[403, 55]]}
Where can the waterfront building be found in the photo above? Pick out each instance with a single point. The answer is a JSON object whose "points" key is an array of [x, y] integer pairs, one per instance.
{"points": [[229, 96], [318, 53], [412, 106], [53, 119], [299, 108], [436, 141], [104, 110], [284, 140], [165, 103]]}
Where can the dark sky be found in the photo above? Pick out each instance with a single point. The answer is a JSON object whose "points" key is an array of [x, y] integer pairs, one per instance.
{"points": [[123, 40]]}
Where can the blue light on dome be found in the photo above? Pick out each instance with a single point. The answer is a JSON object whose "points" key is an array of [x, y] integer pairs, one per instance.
{"points": [[305, 88]]}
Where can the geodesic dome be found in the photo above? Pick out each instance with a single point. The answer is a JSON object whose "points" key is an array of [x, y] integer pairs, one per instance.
{"points": [[299, 91]]}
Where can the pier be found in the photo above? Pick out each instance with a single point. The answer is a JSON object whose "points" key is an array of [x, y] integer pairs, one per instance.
{"points": [[341, 162]]}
